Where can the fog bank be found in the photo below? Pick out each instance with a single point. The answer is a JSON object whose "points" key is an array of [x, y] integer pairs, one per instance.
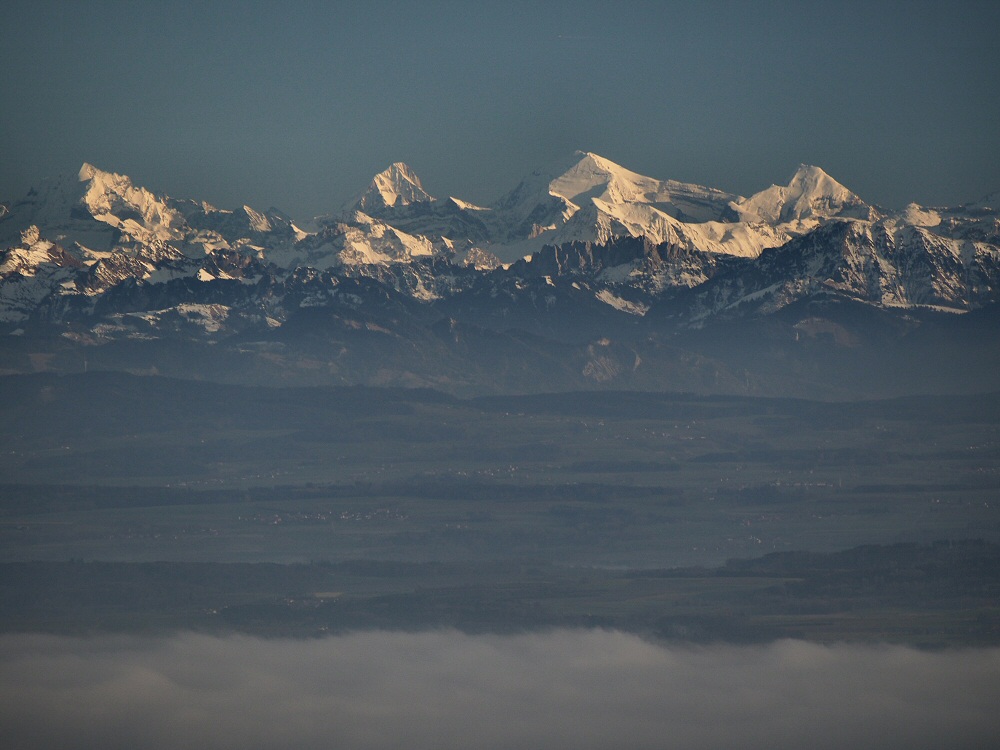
{"points": [[568, 689]]}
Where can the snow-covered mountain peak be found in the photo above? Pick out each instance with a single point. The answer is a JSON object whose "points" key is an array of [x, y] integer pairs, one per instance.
{"points": [[920, 216], [258, 222], [599, 189], [812, 182], [810, 194], [394, 187], [30, 257], [87, 172], [594, 176], [78, 205], [113, 199], [30, 236]]}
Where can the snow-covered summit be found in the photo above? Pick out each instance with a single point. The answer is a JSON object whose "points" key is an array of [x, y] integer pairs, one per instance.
{"points": [[94, 207], [112, 260], [550, 197], [113, 199], [32, 252], [58, 206], [594, 176], [592, 199], [977, 221], [394, 187], [810, 194]]}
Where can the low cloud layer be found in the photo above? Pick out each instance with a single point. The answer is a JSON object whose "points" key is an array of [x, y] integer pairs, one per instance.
{"points": [[575, 689]]}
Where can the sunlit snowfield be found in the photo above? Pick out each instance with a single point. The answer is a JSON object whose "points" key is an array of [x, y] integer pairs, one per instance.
{"points": [[562, 689]]}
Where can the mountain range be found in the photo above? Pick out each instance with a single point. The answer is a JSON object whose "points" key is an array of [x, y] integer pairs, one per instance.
{"points": [[585, 274]]}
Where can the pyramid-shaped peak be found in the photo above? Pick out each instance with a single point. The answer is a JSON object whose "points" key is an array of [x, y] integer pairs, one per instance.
{"points": [[403, 170], [810, 177], [823, 194], [549, 197], [592, 175], [598, 160], [396, 186], [573, 162], [810, 193], [587, 160]]}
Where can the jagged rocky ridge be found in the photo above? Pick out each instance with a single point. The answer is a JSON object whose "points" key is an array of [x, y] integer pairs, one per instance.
{"points": [[585, 254]]}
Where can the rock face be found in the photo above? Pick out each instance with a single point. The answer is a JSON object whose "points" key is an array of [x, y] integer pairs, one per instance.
{"points": [[581, 252]]}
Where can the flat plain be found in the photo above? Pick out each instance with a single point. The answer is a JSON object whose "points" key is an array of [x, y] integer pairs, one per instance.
{"points": [[148, 503]]}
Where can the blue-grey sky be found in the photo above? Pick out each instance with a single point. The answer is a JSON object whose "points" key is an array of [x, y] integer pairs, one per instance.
{"points": [[298, 104]]}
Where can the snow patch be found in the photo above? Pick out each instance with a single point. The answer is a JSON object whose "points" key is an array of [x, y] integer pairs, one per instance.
{"points": [[919, 216], [258, 221], [632, 308]]}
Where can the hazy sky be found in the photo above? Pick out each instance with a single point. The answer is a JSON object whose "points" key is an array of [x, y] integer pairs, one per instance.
{"points": [[298, 104]]}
